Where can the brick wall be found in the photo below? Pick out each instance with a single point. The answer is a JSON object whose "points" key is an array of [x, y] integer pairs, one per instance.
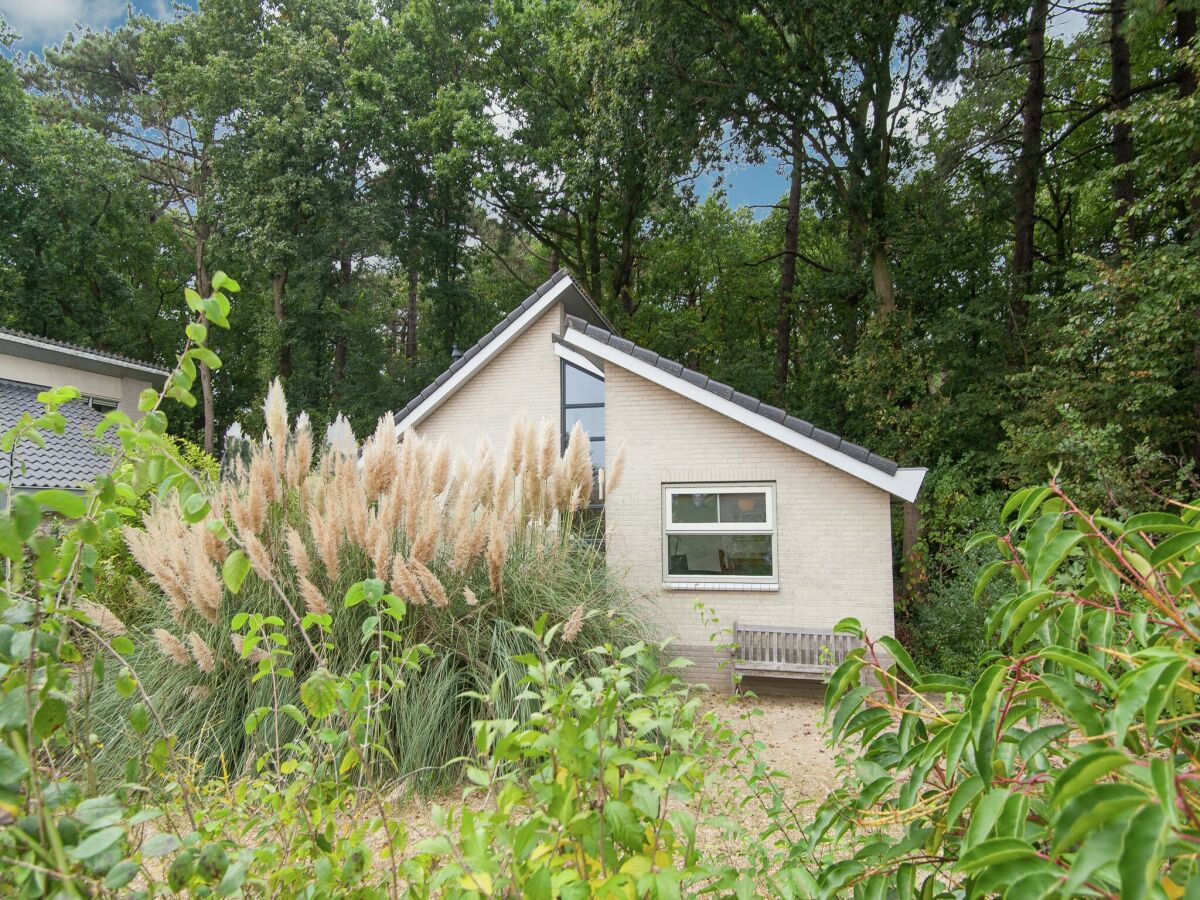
{"points": [[834, 552], [522, 379]]}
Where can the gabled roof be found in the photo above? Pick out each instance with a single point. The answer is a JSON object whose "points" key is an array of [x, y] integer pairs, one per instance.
{"points": [[509, 328], [838, 452], [30, 346], [67, 460]]}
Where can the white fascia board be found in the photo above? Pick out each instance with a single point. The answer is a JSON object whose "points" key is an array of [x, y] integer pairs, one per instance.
{"points": [[72, 353], [483, 357], [577, 359], [904, 484]]}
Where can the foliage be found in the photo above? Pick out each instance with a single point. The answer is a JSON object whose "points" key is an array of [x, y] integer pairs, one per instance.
{"points": [[473, 546], [605, 790], [1066, 767]]}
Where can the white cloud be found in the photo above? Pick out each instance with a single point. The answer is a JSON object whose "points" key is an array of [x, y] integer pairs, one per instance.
{"points": [[52, 19]]}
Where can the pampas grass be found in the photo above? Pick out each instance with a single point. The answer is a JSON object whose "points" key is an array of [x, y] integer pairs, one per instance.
{"points": [[474, 546]]}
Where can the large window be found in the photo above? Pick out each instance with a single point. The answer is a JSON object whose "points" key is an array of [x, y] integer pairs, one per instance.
{"points": [[583, 402], [719, 532]]}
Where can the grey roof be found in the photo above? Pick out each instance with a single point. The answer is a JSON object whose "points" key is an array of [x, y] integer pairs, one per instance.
{"points": [[68, 459], [79, 350], [471, 353], [724, 391]]}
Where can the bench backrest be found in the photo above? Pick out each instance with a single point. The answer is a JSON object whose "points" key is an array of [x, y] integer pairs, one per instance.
{"points": [[801, 647]]}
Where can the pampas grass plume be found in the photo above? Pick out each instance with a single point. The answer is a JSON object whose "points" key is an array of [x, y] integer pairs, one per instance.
{"points": [[201, 653], [171, 647], [102, 617]]}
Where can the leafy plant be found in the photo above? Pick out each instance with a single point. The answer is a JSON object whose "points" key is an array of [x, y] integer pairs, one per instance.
{"points": [[1067, 767]]}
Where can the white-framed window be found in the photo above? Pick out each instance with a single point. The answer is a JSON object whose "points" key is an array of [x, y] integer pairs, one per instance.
{"points": [[723, 532]]}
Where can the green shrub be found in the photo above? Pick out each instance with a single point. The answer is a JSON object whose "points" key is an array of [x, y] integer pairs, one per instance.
{"points": [[1067, 766]]}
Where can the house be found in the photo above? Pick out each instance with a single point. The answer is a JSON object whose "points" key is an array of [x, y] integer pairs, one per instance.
{"points": [[29, 365], [764, 518]]}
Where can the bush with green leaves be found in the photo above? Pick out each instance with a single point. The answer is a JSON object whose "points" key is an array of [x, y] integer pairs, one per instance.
{"points": [[603, 791], [158, 828], [1069, 766]]}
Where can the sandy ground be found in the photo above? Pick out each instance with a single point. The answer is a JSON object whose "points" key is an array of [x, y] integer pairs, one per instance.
{"points": [[792, 742]]}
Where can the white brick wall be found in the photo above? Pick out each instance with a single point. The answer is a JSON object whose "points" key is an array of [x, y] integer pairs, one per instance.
{"points": [[522, 379], [834, 532]]}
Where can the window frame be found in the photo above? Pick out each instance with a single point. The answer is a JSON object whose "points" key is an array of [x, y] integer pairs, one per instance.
{"points": [[769, 527], [564, 406]]}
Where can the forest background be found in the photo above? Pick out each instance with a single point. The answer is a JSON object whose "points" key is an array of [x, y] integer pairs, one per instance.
{"points": [[982, 259]]}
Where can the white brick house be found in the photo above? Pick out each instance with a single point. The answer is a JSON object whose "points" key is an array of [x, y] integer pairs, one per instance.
{"points": [[726, 501]]}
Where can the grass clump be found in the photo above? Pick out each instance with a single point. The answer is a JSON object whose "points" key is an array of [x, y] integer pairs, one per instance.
{"points": [[474, 545]]}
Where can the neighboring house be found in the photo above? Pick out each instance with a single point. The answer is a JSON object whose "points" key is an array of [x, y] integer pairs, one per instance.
{"points": [[725, 500], [29, 365]]}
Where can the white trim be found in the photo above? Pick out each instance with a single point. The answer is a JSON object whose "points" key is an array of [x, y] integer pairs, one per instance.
{"points": [[751, 529], [81, 354], [745, 587], [905, 484], [483, 357], [577, 359]]}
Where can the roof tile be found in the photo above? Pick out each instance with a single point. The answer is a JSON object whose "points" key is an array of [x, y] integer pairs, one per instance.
{"points": [[68, 459]]}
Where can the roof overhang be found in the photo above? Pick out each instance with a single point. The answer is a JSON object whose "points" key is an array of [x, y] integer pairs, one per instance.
{"points": [[905, 483], [27, 347]]}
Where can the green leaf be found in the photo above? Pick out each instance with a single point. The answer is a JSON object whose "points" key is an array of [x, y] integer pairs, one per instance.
{"points": [[1086, 771], [197, 332], [994, 852], [51, 716], [121, 874], [160, 845], [234, 570], [13, 769], [1053, 554], [26, 516], [1173, 547], [96, 843], [1096, 807], [1085, 665], [319, 693], [205, 356], [1141, 852], [139, 717], [625, 824], [65, 503]]}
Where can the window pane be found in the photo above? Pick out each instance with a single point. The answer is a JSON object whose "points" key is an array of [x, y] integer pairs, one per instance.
{"points": [[592, 420], [746, 555], [597, 452], [749, 507], [697, 507], [581, 387]]}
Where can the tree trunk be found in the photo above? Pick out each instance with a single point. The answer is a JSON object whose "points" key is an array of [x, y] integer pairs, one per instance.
{"points": [[341, 348], [787, 274], [278, 282], [1122, 148], [881, 277], [1026, 181], [410, 317], [913, 569], [555, 261], [1185, 36]]}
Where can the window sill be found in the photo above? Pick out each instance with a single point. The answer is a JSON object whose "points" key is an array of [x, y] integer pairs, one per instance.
{"points": [[755, 587]]}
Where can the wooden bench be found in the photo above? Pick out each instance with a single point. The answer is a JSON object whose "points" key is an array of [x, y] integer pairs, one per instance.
{"points": [[768, 651]]}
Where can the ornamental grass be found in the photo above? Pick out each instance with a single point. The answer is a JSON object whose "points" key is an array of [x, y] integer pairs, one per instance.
{"points": [[474, 544]]}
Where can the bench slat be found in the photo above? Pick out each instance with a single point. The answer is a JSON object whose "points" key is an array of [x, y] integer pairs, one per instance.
{"points": [[781, 652]]}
